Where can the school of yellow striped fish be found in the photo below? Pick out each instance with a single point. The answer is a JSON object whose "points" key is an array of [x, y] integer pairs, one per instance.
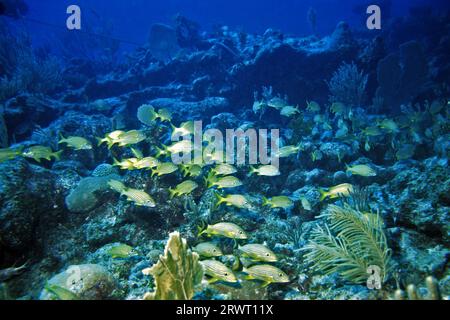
{"points": [[252, 260]]}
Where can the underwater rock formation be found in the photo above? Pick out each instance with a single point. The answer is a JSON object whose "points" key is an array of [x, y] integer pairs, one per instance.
{"points": [[163, 42], [30, 200], [399, 75], [86, 196], [84, 281]]}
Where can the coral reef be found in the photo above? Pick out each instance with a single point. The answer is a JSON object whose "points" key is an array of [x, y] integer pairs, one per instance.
{"points": [[357, 242], [348, 85], [399, 75], [177, 273], [363, 119]]}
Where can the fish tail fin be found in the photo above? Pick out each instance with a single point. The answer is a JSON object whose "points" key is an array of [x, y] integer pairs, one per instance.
{"points": [[237, 265], [184, 170], [323, 194], [99, 141], [206, 181], [160, 151], [265, 201], [172, 193], [219, 198], [154, 171], [62, 139], [201, 229], [57, 154], [209, 180], [137, 153], [253, 170], [116, 162]]}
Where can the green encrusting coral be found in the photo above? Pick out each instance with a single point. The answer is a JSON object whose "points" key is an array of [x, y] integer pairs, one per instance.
{"points": [[177, 273], [348, 244]]}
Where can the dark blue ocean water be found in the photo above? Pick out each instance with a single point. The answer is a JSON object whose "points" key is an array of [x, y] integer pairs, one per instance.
{"points": [[131, 20]]}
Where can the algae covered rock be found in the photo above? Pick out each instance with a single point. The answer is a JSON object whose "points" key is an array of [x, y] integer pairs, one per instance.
{"points": [[85, 281], [86, 196], [177, 273]]}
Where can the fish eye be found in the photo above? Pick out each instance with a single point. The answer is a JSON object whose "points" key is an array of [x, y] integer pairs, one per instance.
{"points": [[226, 274], [268, 254], [240, 232], [280, 275]]}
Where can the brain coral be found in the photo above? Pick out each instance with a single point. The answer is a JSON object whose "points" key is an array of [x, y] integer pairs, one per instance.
{"points": [[85, 196]]}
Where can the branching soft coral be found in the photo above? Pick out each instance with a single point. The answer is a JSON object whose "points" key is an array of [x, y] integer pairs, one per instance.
{"points": [[21, 69], [348, 85], [177, 273], [350, 242]]}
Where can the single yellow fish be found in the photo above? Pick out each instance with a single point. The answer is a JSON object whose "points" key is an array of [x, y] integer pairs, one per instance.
{"points": [[361, 170], [126, 164], [130, 137], [77, 143], [184, 146], [289, 111], [184, 187], [41, 152], [266, 273], [286, 151], [265, 170], [312, 106], [208, 250], [225, 229], [278, 202], [111, 138], [236, 200], [218, 271], [191, 170], [139, 197], [185, 129], [164, 168], [224, 182], [258, 252], [121, 251], [224, 169], [146, 163], [341, 190]]}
